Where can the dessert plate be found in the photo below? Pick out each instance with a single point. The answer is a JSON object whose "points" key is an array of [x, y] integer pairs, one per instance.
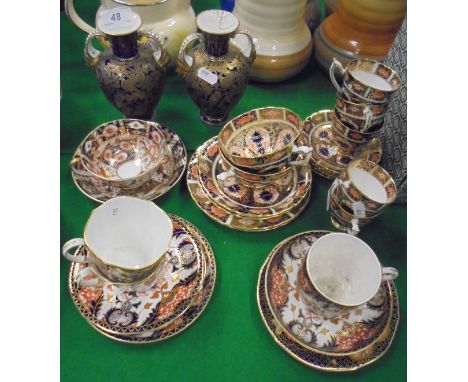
{"points": [[168, 173], [128, 309], [199, 303], [327, 362], [327, 159], [344, 334], [229, 219], [246, 198]]}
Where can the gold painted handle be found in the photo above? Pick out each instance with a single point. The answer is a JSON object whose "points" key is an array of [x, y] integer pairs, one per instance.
{"points": [[184, 61], [161, 57], [91, 54], [252, 52]]}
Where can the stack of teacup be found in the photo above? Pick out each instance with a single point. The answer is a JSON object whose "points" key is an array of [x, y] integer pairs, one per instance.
{"points": [[260, 165], [362, 100], [359, 194]]}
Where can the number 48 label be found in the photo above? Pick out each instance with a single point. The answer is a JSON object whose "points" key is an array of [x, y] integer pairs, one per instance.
{"points": [[119, 18]]}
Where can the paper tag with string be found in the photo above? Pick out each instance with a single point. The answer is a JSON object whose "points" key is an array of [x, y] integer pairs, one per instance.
{"points": [[359, 209]]}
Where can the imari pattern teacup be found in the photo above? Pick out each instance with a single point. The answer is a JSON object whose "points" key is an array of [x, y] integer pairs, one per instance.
{"points": [[263, 140], [359, 194], [123, 153], [340, 273], [359, 110], [340, 127], [366, 80]]}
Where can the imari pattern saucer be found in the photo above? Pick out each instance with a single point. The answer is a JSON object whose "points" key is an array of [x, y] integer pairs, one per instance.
{"points": [[199, 303], [249, 198], [232, 220], [327, 159], [125, 309], [167, 175], [342, 344]]}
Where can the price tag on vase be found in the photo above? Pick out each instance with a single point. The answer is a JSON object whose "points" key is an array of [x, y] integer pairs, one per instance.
{"points": [[208, 76], [120, 20]]}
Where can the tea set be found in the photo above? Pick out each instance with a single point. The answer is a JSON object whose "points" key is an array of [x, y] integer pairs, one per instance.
{"points": [[140, 275]]}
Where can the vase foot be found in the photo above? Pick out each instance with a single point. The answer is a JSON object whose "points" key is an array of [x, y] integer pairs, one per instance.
{"points": [[213, 121], [146, 117]]}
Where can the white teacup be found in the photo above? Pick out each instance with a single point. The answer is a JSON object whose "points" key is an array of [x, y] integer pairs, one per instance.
{"points": [[125, 240], [344, 272]]}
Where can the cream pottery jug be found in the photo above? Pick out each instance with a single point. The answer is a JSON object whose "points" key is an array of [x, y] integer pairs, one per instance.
{"points": [[282, 38], [169, 20]]}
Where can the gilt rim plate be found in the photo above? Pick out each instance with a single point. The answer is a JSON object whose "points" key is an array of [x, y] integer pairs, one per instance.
{"points": [[128, 310], [240, 196], [149, 191], [313, 359], [231, 220], [342, 335]]}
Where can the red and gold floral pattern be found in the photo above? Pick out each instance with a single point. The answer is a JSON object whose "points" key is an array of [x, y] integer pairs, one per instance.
{"points": [[254, 139], [246, 198], [167, 174], [328, 158], [198, 304], [347, 332], [382, 176], [360, 92], [253, 223], [138, 308], [337, 362]]}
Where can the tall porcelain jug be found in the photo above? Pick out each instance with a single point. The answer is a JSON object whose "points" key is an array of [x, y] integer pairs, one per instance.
{"points": [[170, 20]]}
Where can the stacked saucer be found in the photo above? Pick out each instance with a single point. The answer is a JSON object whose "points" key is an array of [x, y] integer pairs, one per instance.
{"points": [[328, 159], [131, 157], [159, 307], [347, 340], [246, 177], [351, 131]]}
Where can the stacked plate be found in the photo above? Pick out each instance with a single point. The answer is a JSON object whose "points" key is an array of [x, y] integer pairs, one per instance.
{"points": [[128, 157], [243, 200], [344, 343], [159, 307]]}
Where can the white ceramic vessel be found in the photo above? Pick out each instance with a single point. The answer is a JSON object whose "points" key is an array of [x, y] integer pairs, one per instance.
{"points": [[170, 20], [345, 270], [282, 38], [125, 239]]}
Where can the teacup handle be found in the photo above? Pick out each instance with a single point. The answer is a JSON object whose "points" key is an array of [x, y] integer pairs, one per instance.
{"points": [[82, 281], [306, 150], [67, 251], [333, 67], [354, 230], [389, 273], [368, 115]]}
